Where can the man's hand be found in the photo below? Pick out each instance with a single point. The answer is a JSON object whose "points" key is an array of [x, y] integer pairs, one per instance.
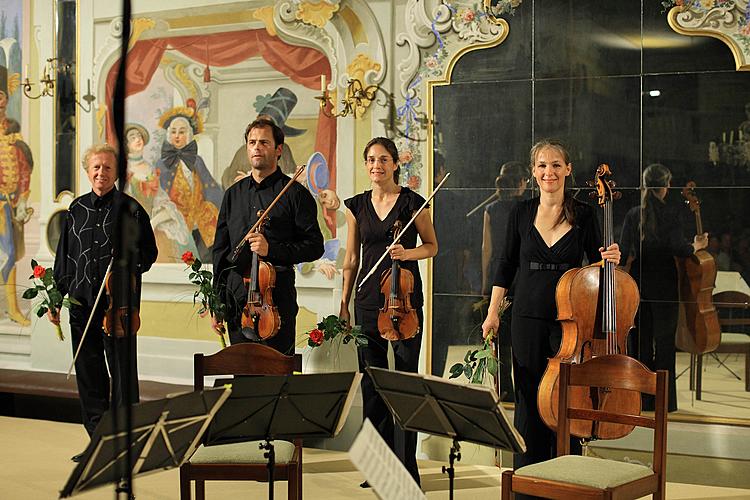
{"points": [[53, 316], [258, 244], [217, 325]]}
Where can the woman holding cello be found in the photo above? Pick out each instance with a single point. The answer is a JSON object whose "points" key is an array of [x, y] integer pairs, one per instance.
{"points": [[652, 237], [545, 236], [371, 217]]}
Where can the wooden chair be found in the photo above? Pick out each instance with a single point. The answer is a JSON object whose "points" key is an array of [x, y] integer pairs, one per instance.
{"points": [[733, 310], [243, 461], [577, 477]]}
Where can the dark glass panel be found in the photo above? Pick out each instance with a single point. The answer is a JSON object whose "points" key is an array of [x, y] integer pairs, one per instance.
{"points": [[455, 322], [597, 118], [585, 38]]}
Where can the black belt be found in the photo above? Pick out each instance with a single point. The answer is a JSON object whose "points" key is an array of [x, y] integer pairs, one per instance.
{"points": [[543, 266]]}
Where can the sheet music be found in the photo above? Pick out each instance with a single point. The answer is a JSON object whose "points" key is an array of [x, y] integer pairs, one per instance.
{"points": [[730, 281], [381, 467]]}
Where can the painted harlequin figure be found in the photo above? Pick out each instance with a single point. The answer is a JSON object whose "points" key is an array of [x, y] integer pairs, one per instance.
{"points": [[16, 163], [186, 179]]}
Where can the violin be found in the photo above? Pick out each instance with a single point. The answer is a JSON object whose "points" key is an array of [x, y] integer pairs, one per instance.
{"points": [[698, 329], [260, 317], [596, 307], [116, 318], [397, 319]]}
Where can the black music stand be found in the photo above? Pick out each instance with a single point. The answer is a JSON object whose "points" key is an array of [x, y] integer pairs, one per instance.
{"points": [[165, 432], [283, 407], [423, 403]]}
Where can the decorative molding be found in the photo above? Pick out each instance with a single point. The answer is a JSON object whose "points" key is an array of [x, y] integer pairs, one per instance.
{"points": [[316, 13], [727, 20], [265, 15]]}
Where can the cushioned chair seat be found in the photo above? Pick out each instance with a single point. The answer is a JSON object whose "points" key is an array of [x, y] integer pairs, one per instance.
{"points": [[586, 471], [731, 338], [241, 453]]}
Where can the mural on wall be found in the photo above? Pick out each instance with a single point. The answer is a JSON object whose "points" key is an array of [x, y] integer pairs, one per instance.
{"points": [[16, 162], [185, 127]]}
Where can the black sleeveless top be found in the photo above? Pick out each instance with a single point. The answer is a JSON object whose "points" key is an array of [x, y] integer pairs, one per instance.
{"points": [[375, 235]]}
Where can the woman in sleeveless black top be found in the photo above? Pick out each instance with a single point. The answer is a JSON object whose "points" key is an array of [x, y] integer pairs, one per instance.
{"points": [[370, 218], [545, 236]]}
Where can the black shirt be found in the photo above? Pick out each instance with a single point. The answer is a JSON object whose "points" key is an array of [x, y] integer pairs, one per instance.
{"points": [[537, 267], [653, 266], [85, 246], [375, 235], [291, 229]]}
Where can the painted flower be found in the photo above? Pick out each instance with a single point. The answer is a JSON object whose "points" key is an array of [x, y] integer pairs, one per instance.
{"points": [[405, 156], [707, 4], [469, 15], [39, 272], [745, 30], [188, 258], [432, 62], [316, 336], [414, 182]]}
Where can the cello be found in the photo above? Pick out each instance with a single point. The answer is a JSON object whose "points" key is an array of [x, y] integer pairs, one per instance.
{"points": [[698, 329], [596, 307], [397, 319]]}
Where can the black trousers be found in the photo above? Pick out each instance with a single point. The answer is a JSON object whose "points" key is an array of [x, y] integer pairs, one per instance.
{"points": [[657, 327], [505, 360], [285, 300], [406, 357], [537, 340], [99, 353]]}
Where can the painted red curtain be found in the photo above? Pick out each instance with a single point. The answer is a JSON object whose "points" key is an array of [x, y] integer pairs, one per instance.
{"points": [[301, 64]]}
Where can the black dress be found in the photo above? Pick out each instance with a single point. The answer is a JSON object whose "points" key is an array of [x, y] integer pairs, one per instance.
{"points": [[375, 235], [535, 332], [654, 269]]}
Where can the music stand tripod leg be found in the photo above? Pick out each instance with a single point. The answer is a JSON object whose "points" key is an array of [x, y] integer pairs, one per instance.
{"points": [[454, 455], [723, 364], [271, 456]]}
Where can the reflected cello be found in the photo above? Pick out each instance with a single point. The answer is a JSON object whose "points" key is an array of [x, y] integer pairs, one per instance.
{"points": [[596, 307]]}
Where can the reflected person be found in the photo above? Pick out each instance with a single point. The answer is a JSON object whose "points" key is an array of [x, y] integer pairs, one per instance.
{"points": [[653, 237]]}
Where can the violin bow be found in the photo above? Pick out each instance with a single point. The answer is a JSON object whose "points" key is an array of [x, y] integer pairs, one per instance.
{"points": [[398, 237], [91, 316], [241, 244]]}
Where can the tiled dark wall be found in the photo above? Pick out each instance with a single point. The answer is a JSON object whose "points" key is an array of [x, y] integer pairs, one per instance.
{"points": [[582, 71]]}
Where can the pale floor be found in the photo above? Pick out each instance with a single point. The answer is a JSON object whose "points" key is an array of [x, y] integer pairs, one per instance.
{"points": [[35, 464]]}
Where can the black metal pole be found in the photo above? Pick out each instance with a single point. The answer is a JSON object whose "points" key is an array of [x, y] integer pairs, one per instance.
{"points": [[271, 456], [454, 455], [121, 255]]}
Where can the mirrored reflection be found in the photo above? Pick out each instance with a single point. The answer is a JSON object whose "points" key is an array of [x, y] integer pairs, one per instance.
{"points": [[625, 90], [65, 107]]}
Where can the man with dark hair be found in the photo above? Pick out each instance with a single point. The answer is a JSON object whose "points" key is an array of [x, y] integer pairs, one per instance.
{"points": [[291, 235], [84, 252]]}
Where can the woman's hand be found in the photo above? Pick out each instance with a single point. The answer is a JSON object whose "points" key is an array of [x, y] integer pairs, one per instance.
{"points": [[344, 314], [217, 325], [700, 242], [397, 252], [611, 253], [491, 324]]}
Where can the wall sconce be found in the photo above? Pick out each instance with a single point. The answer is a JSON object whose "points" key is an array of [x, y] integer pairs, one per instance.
{"points": [[356, 98], [47, 83]]}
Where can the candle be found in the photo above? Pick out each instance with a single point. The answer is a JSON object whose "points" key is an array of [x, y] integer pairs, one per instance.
{"points": [[723, 137], [731, 137], [740, 135], [27, 71], [323, 83]]}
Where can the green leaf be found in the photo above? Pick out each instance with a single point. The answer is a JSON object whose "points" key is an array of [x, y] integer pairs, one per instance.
{"points": [[467, 371], [468, 356], [361, 340], [456, 370], [479, 372], [41, 312], [492, 366], [34, 263], [73, 301], [482, 354], [30, 293]]}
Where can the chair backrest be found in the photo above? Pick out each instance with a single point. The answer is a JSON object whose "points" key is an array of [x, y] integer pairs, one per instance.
{"points": [[244, 359], [615, 371], [734, 303]]}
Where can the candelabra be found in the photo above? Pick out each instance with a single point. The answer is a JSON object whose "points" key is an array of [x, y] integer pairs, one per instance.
{"points": [[47, 83], [356, 98]]}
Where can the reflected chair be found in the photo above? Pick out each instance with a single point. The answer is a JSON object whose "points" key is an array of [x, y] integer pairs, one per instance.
{"points": [[243, 461], [734, 311], [573, 476]]}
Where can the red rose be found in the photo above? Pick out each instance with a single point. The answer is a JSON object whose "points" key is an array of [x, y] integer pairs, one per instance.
{"points": [[316, 336], [188, 258], [39, 272]]}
